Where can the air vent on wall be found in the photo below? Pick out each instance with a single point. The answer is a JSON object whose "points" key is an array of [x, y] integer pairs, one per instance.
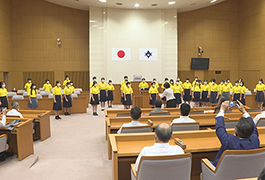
{"points": [[218, 72]]}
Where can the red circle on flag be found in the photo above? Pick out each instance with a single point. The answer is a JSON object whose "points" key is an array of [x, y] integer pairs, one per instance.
{"points": [[121, 54]]}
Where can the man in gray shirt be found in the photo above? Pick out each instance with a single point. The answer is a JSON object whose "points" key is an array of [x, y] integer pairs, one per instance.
{"points": [[158, 104]]}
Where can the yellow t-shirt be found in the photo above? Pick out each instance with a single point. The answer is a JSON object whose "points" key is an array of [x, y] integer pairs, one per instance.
{"points": [[110, 87], [260, 87], [66, 81], [221, 87], [67, 91], [3, 92], [153, 90], [205, 87], [94, 90], [72, 88], [27, 86], [243, 89], [177, 89], [214, 88], [57, 90], [143, 85], [187, 85], [102, 86], [226, 88], [47, 87], [122, 87], [236, 89], [230, 85], [127, 90], [196, 88], [193, 83], [34, 93]]}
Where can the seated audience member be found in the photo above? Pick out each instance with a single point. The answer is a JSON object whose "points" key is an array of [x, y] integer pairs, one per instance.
{"points": [[261, 115], [184, 111], [163, 134], [14, 111], [135, 115], [246, 134], [158, 104], [3, 120], [262, 175]]}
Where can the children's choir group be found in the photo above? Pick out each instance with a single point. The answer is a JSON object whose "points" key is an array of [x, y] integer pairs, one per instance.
{"points": [[57, 92], [174, 92]]}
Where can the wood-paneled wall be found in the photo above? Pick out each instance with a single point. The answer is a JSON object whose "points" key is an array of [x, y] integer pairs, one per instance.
{"points": [[5, 37], [36, 25], [215, 29], [39, 77], [251, 41], [79, 78]]}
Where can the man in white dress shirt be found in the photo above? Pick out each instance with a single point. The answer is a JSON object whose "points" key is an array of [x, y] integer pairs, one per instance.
{"points": [[184, 118], [261, 115], [135, 115], [163, 134], [3, 121], [14, 111]]}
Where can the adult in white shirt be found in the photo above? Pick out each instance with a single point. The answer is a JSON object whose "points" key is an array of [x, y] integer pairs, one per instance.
{"points": [[14, 111], [184, 118], [261, 115], [169, 94], [135, 115], [3, 120], [163, 134]]}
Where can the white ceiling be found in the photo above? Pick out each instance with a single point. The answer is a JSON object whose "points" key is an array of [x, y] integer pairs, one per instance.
{"points": [[180, 5]]}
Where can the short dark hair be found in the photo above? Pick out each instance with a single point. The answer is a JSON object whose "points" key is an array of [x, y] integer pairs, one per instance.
{"points": [[47, 80], [57, 82], [163, 134], [158, 103], [184, 109], [94, 82], [244, 127], [66, 76], [136, 113], [125, 77], [29, 79], [94, 77], [262, 175], [166, 79], [102, 78], [166, 85]]}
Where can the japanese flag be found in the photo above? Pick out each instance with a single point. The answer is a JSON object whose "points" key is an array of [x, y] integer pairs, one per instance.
{"points": [[121, 54], [148, 54]]}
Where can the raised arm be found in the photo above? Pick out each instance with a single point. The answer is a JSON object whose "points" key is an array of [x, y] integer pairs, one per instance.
{"points": [[220, 124]]}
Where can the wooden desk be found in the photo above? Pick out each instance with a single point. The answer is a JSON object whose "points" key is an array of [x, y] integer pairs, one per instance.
{"points": [[79, 105], [113, 124], [146, 111], [42, 120], [21, 138], [202, 143]]}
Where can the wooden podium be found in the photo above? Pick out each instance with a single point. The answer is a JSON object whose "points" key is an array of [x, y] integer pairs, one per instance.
{"points": [[141, 100]]}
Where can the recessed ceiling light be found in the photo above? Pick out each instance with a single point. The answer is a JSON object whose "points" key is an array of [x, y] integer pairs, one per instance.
{"points": [[153, 4], [171, 2], [119, 4], [103, 1], [137, 5], [193, 4], [212, 1]]}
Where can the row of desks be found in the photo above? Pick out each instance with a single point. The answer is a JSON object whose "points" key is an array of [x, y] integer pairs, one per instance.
{"points": [[79, 104], [113, 124], [201, 143], [21, 137]]}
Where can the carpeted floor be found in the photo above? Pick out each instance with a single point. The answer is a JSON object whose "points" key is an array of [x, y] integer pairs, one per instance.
{"points": [[76, 150]]}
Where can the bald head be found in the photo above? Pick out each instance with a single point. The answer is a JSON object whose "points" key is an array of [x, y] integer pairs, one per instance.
{"points": [[163, 132]]}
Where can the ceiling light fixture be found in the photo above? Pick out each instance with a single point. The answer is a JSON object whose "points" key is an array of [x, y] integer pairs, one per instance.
{"points": [[171, 2], [153, 4], [212, 1], [92, 21], [137, 5], [103, 1], [119, 4]]}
